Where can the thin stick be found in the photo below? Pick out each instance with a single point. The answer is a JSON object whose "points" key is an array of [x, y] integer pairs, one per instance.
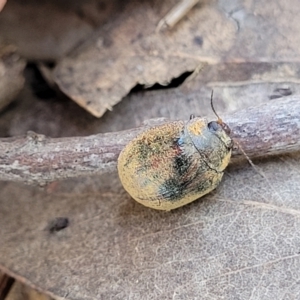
{"points": [[176, 14], [269, 129]]}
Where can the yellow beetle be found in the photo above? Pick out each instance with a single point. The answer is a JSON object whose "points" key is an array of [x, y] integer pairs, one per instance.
{"points": [[175, 163]]}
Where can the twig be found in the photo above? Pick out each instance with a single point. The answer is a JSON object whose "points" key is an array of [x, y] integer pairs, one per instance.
{"points": [[269, 129], [176, 14]]}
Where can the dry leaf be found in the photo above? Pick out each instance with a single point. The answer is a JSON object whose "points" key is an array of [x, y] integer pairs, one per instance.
{"points": [[239, 241], [2, 3], [49, 30], [11, 75], [128, 51]]}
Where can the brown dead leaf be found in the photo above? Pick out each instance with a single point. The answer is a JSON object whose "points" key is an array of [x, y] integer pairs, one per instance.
{"points": [[240, 241], [128, 51], [48, 30], [243, 239], [2, 3], [11, 75]]}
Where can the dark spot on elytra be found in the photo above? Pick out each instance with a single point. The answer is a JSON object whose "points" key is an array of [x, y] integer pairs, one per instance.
{"points": [[198, 40], [181, 165], [187, 177], [172, 189], [175, 187]]}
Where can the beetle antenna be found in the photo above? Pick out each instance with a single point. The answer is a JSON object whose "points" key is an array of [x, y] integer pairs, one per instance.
{"points": [[219, 121], [213, 109], [256, 168], [234, 140], [247, 157]]}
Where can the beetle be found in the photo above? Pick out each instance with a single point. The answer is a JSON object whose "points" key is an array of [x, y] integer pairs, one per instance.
{"points": [[175, 163]]}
